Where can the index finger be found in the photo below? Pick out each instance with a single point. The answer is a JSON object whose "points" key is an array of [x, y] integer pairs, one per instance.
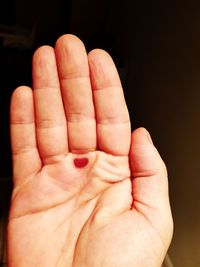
{"points": [[113, 123]]}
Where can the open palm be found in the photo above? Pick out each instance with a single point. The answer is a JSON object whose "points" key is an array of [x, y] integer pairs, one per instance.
{"points": [[87, 192]]}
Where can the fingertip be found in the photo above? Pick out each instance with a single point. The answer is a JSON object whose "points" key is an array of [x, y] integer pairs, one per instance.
{"points": [[142, 133], [69, 40], [44, 69], [21, 104], [98, 54], [20, 95], [71, 56], [99, 59], [40, 58], [145, 158], [103, 70], [42, 51]]}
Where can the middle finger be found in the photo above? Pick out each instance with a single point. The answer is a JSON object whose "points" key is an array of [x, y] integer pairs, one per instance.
{"points": [[76, 89]]}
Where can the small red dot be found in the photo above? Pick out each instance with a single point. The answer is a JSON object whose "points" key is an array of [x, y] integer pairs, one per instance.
{"points": [[80, 162]]}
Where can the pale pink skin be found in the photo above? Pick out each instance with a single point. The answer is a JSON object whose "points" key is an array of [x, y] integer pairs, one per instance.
{"points": [[113, 212]]}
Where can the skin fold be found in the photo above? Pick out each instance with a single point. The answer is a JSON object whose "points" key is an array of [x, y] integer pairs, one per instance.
{"points": [[110, 209]]}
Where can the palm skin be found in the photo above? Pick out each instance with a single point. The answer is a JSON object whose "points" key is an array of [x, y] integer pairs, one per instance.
{"points": [[113, 212]]}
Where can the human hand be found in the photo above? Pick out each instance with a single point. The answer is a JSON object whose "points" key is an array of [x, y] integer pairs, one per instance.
{"points": [[112, 212]]}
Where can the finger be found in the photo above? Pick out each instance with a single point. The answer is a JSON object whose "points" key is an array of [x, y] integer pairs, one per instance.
{"points": [[50, 117], [150, 183], [77, 94], [113, 123], [26, 160]]}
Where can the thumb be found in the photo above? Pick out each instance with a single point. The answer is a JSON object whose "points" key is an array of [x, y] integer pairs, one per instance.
{"points": [[150, 183]]}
